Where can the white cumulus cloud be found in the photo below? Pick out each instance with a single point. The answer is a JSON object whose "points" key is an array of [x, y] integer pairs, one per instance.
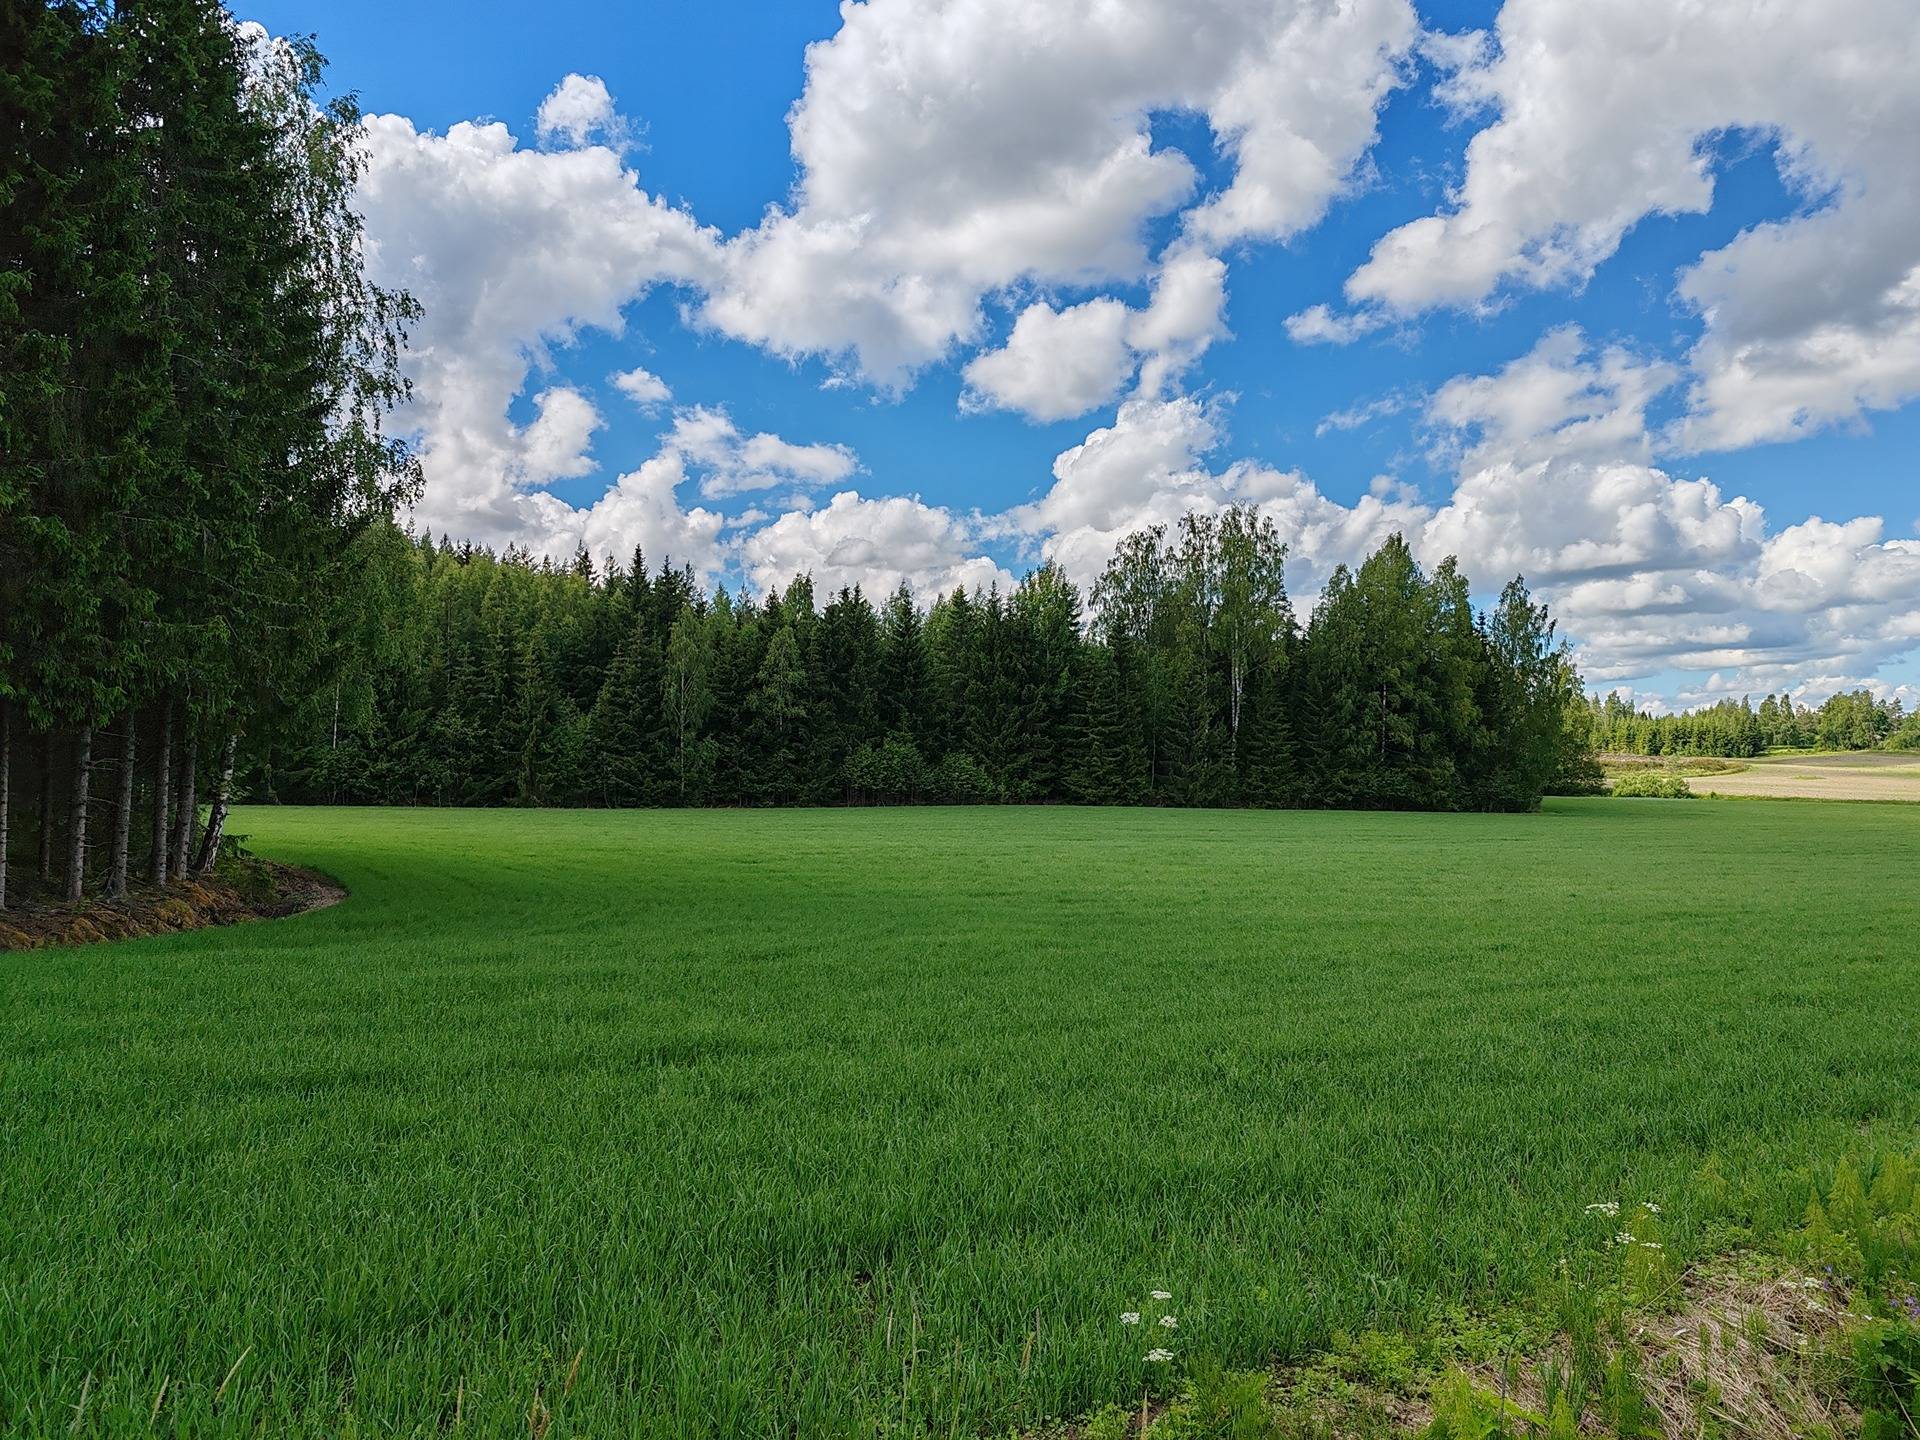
{"points": [[949, 150], [642, 387], [1606, 114], [873, 543], [579, 109], [1056, 363], [733, 462]]}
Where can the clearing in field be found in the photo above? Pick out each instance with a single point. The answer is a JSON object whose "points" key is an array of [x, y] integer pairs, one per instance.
{"points": [[1860, 775], [818, 1122]]}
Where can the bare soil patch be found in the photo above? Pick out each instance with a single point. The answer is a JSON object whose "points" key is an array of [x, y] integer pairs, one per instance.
{"points": [[265, 891]]}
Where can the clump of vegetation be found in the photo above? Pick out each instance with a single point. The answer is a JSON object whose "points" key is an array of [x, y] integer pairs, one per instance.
{"points": [[1653, 784], [1818, 1337], [1616, 765]]}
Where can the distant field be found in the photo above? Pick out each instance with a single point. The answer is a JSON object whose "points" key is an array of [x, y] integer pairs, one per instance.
{"points": [[1866, 775], [829, 1122]]}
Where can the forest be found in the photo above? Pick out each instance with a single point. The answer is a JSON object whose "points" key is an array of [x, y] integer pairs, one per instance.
{"points": [[194, 374], [207, 589], [1736, 729], [1183, 679]]}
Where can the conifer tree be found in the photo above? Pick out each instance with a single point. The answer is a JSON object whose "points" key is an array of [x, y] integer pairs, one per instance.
{"points": [[903, 680], [687, 697], [779, 720]]}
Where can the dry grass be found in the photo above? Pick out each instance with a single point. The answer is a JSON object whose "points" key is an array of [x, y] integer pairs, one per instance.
{"points": [[1742, 1356], [1869, 775], [1744, 1353], [152, 910]]}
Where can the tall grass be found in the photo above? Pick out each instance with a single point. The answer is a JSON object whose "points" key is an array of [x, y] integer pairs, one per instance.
{"points": [[857, 1122]]}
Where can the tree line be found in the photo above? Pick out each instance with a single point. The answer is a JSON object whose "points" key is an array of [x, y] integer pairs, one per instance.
{"points": [[193, 375], [1184, 678], [1737, 729]]}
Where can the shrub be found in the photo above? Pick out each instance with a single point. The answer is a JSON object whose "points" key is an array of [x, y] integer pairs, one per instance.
{"points": [[1652, 784], [959, 779], [891, 771], [1579, 774]]}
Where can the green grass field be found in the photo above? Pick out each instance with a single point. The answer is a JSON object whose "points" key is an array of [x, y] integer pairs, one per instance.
{"points": [[822, 1122]]}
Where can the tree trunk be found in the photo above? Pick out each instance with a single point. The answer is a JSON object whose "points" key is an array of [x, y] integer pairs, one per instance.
{"points": [[122, 817], [162, 793], [46, 810], [77, 815], [333, 751], [186, 809], [6, 776], [217, 814]]}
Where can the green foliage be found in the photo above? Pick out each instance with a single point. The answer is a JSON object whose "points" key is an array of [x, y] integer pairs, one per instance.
{"points": [[1867, 1226], [893, 771], [1192, 685], [194, 377], [1653, 784], [1850, 720], [1864, 1231], [1464, 1409], [1623, 1400], [959, 779], [1218, 1404], [1886, 1379]]}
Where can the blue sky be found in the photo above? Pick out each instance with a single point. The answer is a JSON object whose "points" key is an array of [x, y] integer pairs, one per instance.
{"points": [[1670, 591]]}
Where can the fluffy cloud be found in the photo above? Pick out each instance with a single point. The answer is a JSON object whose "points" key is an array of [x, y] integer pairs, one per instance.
{"points": [[1318, 325], [1187, 313], [1056, 364], [1606, 114], [1060, 363], [873, 543], [1150, 467], [579, 109], [947, 151], [735, 463], [1651, 571], [1553, 401], [513, 253], [640, 510], [555, 445], [642, 387]]}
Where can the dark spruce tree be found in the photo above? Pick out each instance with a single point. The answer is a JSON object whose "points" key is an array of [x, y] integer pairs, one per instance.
{"points": [[195, 375]]}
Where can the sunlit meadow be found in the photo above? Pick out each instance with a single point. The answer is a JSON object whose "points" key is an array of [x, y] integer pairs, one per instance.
{"points": [[903, 1121]]}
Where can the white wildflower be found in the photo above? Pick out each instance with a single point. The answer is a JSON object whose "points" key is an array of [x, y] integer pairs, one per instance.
{"points": [[1604, 1207], [1650, 1207], [1157, 1356], [1169, 1323], [1625, 1237], [1129, 1317], [1161, 1295]]}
